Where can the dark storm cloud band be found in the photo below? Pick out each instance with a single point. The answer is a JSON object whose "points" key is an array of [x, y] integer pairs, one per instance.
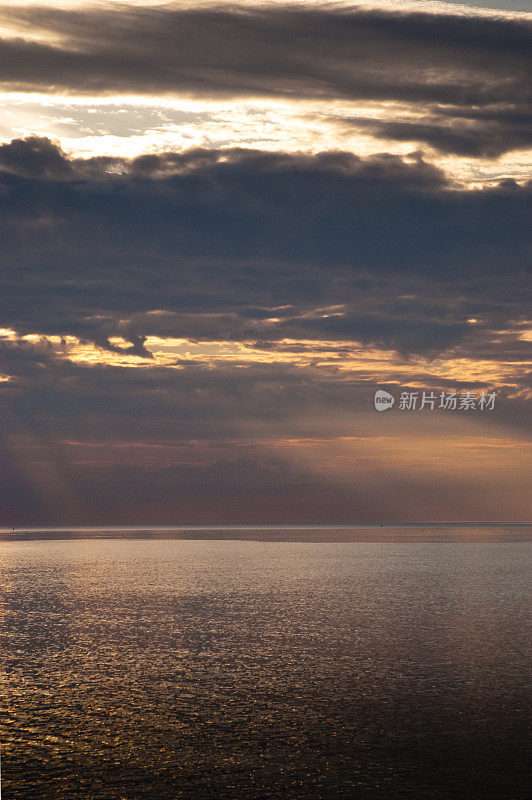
{"points": [[469, 63], [213, 235], [470, 134]]}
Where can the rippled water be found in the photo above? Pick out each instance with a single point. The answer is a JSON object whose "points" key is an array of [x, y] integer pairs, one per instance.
{"points": [[255, 669]]}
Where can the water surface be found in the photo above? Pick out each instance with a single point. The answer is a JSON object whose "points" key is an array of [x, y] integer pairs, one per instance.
{"points": [[229, 668]]}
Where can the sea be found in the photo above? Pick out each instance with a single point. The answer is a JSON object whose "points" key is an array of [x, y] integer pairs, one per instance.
{"points": [[278, 662]]}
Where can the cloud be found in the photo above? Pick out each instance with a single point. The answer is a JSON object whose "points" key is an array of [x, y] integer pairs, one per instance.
{"points": [[464, 62], [34, 156], [101, 444], [473, 134], [216, 239], [95, 443], [197, 335]]}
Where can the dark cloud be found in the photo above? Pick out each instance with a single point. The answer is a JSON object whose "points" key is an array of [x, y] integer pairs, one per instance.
{"points": [[232, 403], [213, 240], [471, 62], [82, 443], [311, 259], [34, 156], [478, 136], [102, 444]]}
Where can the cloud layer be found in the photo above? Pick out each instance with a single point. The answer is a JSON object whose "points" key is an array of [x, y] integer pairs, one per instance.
{"points": [[467, 75], [196, 333], [205, 232]]}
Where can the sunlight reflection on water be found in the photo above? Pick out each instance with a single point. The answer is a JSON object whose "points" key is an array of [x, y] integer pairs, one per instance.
{"points": [[251, 669]]}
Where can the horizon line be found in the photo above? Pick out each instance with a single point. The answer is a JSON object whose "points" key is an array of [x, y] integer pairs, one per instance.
{"points": [[258, 525]]}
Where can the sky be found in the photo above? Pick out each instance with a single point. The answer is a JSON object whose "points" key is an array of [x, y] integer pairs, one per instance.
{"points": [[224, 227]]}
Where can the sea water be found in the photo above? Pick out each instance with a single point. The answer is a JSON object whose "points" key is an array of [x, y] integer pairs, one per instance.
{"points": [[264, 663]]}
